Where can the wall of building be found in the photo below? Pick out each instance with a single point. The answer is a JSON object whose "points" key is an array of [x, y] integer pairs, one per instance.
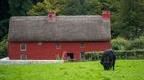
{"points": [[51, 50]]}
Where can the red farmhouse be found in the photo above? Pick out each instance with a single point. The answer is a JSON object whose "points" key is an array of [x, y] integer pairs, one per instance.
{"points": [[51, 37]]}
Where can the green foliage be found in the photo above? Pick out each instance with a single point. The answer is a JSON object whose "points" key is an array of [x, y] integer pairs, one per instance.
{"points": [[120, 54], [68, 7], [123, 44], [3, 47], [92, 56], [129, 22], [19, 7], [3, 27], [129, 54], [120, 44], [42, 8], [73, 7], [138, 43]]}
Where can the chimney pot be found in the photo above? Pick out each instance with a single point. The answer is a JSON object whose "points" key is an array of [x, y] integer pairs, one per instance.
{"points": [[51, 17], [106, 15]]}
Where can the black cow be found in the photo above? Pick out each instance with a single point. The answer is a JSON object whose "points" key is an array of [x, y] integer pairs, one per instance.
{"points": [[108, 60]]}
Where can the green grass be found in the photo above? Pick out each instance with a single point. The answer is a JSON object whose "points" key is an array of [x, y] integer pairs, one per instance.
{"points": [[125, 70]]}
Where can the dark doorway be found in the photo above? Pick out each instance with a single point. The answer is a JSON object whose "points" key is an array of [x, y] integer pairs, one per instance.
{"points": [[70, 56]]}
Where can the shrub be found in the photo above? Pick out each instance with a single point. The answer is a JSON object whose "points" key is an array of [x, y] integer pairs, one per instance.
{"points": [[129, 54], [120, 44], [120, 54], [3, 48], [137, 43]]}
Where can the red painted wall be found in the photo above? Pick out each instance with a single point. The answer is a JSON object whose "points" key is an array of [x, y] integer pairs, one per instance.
{"points": [[48, 51]]}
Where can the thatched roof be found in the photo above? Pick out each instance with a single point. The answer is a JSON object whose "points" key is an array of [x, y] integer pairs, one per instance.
{"points": [[66, 28]]}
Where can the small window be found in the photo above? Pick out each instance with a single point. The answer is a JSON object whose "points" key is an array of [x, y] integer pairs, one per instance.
{"points": [[23, 47], [40, 43], [58, 46], [81, 45]]}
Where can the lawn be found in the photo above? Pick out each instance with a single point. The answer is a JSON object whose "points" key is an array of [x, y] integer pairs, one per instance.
{"points": [[125, 70]]}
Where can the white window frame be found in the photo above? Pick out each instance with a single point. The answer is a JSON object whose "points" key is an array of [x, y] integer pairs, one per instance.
{"points": [[21, 47]]}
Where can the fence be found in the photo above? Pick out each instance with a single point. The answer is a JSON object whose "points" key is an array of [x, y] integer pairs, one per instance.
{"points": [[120, 54]]}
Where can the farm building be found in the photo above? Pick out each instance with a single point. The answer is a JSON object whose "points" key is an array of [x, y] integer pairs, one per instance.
{"points": [[52, 37]]}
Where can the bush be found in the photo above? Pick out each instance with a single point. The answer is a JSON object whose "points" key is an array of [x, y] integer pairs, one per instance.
{"points": [[92, 56], [3, 48], [120, 44], [129, 54], [120, 54], [137, 43]]}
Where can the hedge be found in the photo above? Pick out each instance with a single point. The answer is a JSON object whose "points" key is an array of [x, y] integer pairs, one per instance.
{"points": [[137, 43], [120, 54], [3, 48]]}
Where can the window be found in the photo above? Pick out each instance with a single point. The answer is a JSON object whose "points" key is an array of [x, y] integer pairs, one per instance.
{"points": [[40, 43], [81, 45], [23, 47], [58, 46]]}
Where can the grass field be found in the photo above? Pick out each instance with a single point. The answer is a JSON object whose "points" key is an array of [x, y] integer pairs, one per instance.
{"points": [[125, 70]]}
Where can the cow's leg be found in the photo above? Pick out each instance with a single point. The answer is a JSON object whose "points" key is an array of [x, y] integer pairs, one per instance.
{"points": [[104, 65], [107, 66], [113, 65]]}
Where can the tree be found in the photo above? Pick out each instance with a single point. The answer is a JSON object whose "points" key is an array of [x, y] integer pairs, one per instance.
{"points": [[42, 8], [140, 18], [82, 7], [36, 1], [131, 19], [3, 28], [3, 47], [19, 7], [93, 7], [137, 43], [4, 9], [4, 18], [73, 7], [68, 7], [115, 17]]}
